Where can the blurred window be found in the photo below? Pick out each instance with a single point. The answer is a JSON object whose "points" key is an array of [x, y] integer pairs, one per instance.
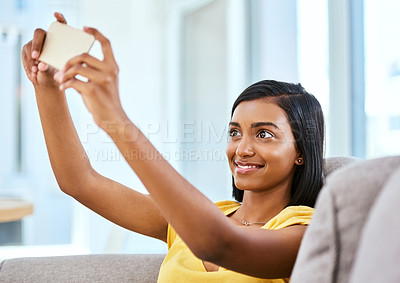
{"points": [[313, 55], [382, 77]]}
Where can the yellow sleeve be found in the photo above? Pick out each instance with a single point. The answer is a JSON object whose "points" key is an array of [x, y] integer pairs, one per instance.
{"points": [[171, 236], [292, 215]]}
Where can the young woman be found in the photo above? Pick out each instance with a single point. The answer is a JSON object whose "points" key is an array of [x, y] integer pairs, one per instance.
{"points": [[274, 152]]}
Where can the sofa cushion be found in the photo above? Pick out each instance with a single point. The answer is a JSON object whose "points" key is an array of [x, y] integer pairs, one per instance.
{"points": [[379, 250], [83, 268], [329, 245]]}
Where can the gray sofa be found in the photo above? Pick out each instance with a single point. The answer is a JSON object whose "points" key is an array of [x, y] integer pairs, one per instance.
{"points": [[334, 248]]}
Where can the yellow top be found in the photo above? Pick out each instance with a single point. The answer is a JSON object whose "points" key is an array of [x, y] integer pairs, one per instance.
{"points": [[181, 265]]}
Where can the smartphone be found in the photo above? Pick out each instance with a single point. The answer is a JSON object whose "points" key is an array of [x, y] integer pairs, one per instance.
{"points": [[62, 43]]}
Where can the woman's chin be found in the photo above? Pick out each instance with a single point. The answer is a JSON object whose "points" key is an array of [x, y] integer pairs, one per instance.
{"points": [[245, 186]]}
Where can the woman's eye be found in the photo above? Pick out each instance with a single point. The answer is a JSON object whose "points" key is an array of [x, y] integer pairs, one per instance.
{"points": [[234, 133], [264, 134]]}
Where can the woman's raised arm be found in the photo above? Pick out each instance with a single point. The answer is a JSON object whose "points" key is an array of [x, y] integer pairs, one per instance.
{"points": [[71, 166]]}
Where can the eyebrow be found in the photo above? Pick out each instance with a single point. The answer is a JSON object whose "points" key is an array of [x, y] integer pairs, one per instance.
{"points": [[256, 125]]}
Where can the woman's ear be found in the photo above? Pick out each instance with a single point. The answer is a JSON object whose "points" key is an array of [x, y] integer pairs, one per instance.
{"points": [[299, 160]]}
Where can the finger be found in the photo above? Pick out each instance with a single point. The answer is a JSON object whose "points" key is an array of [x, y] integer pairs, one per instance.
{"points": [[60, 18], [76, 84], [26, 56], [105, 43], [26, 62], [43, 67], [84, 58], [37, 42], [30, 64], [84, 71]]}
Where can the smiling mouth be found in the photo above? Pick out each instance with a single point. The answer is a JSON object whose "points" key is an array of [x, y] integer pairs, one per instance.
{"points": [[246, 168]]}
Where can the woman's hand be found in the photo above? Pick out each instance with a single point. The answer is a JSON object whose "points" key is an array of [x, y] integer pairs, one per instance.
{"points": [[39, 73], [100, 92]]}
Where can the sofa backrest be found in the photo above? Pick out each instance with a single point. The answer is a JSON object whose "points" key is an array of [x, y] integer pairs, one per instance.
{"points": [[333, 163]]}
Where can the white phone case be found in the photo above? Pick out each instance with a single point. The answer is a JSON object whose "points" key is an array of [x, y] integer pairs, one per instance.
{"points": [[64, 42]]}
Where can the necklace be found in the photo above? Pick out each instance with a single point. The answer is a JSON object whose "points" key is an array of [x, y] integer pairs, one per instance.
{"points": [[245, 223]]}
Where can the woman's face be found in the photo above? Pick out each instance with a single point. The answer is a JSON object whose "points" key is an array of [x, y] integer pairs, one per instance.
{"points": [[261, 149]]}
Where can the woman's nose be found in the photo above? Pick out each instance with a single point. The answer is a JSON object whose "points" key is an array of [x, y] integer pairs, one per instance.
{"points": [[245, 148]]}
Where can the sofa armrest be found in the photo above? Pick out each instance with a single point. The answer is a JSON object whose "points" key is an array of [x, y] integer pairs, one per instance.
{"points": [[83, 268], [331, 241], [379, 250]]}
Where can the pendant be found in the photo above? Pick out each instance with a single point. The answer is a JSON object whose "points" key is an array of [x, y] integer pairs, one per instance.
{"points": [[245, 223]]}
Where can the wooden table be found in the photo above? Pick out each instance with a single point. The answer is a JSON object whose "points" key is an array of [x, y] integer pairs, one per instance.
{"points": [[14, 209]]}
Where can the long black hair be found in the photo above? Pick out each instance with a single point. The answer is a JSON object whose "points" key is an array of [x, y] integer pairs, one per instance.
{"points": [[305, 117]]}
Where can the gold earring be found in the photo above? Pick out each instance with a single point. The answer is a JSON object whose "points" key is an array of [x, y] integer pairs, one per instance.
{"points": [[299, 160]]}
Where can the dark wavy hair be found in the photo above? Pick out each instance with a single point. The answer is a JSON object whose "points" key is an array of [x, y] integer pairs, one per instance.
{"points": [[306, 119]]}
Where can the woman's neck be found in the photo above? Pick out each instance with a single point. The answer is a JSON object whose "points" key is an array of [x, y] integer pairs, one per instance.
{"points": [[262, 206]]}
